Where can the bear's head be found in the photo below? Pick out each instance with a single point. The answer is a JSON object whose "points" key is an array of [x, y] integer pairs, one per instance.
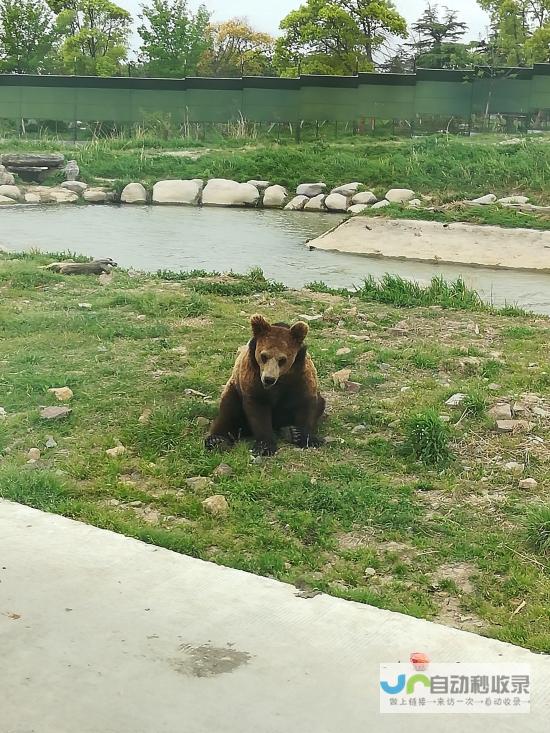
{"points": [[275, 347]]}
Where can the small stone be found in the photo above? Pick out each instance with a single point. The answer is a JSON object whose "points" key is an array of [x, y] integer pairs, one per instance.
{"points": [[34, 454], [445, 418], [528, 483], [520, 408], [198, 483], [353, 387], [54, 413], [145, 415], [501, 411], [414, 204], [494, 387], [3, 413], [85, 306], [398, 331], [490, 198], [405, 389], [340, 378], [514, 200], [370, 572], [216, 505], [513, 426], [381, 204], [223, 470], [202, 422], [361, 337], [141, 317], [514, 467], [541, 412], [118, 450], [114, 502], [50, 442], [343, 351], [63, 394], [456, 399], [359, 429], [256, 460], [136, 503]]}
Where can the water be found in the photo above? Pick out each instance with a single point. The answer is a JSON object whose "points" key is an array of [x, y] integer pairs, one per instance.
{"points": [[181, 238]]}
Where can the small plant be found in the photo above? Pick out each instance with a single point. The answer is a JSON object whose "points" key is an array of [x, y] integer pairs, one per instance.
{"points": [[475, 404], [428, 438], [538, 529]]}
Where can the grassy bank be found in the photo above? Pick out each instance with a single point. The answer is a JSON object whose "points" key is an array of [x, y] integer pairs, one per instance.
{"points": [[447, 169], [400, 509]]}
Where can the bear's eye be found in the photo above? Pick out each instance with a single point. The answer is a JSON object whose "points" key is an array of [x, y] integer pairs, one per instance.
{"points": [[282, 360], [263, 357]]}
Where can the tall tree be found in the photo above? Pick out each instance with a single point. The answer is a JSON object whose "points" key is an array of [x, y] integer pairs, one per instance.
{"points": [[518, 31], [235, 48], [27, 36], [338, 36], [436, 39], [96, 36], [173, 37]]}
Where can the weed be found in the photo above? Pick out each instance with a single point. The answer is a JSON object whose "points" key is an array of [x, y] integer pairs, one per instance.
{"points": [[538, 529], [428, 438]]}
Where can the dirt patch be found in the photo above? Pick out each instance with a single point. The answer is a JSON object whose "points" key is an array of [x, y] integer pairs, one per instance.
{"points": [[451, 614], [459, 572], [209, 661], [355, 540]]}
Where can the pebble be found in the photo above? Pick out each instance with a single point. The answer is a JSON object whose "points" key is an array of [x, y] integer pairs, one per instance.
{"points": [[34, 454], [144, 417], [216, 505], [55, 413], [343, 351], [513, 426], [118, 450], [50, 442], [3, 414], [352, 387], [494, 387], [370, 572], [340, 378], [114, 502], [85, 306], [515, 467], [223, 470], [528, 483], [456, 399], [359, 429], [202, 422], [136, 504], [501, 411], [198, 483], [63, 394]]}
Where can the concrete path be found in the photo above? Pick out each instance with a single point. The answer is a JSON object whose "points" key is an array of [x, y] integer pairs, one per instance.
{"points": [[104, 634]]}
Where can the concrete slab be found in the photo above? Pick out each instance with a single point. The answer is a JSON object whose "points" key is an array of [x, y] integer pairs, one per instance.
{"points": [[103, 634]]}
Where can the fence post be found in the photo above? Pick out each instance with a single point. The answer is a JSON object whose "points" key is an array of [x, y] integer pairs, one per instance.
{"points": [[298, 131]]}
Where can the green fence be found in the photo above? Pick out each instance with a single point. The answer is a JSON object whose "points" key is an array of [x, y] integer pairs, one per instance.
{"points": [[358, 99]]}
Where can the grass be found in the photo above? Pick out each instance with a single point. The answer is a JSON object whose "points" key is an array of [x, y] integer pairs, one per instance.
{"points": [[406, 494]]}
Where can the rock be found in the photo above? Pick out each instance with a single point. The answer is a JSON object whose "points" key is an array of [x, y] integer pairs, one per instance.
{"points": [[353, 387], [74, 186], [25, 160], [399, 330], [275, 197], [365, 197], [216, 505], [501, 411], [63, 394], [85, 306], [315, 203], [202, 422], [187, 193], [490, 198], [414, 204], [513, 426], [94, 196], [6, 178], [381, 204], [54, 413], [32, 198], [118, 450], [260, 185], [515, 467], [337, 202], [134, 193], [12, 192], [3, 413], [399, 195], [6, 201], [369, 572], [56, 195], [311, 189], [541, 412], [34, 454], [520, 408], [198, 483], [340, 378], [359, 429], [343, 351], [50, 442], [494, 387], [528, 483], [456, 399], [223, 470], [348, 189], [357, 208], [297, 203], [72, 171], [515, 200], [222, 192], [114, 502], [145, 416], [136, 504]]}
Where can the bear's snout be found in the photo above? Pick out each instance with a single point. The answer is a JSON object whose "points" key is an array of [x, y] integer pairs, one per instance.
{"points": [[268, 381]]}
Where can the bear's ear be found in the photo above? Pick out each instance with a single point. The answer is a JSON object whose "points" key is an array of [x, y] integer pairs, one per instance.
{"points": [[299, 331], [259, 325]]}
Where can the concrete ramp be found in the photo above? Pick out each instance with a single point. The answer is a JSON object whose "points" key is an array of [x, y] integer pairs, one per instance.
{"points": [[104, 634], [426, 241]]}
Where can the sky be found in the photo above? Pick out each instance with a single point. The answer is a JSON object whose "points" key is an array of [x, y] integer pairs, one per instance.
{"points": [[266, 15]]}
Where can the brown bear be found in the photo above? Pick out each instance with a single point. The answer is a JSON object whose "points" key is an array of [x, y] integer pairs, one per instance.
{"points": [[273, 386]]}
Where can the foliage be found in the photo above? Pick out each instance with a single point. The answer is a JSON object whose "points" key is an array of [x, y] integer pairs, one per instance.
{"points": [[538, 529], [428, 438], [27, 36], [436, 40], [173, 38], [520, 31], [236, 48]]}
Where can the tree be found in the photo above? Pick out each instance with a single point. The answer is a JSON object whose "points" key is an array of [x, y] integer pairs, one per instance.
{"points": [[436, 40], [519, 31], [235, 48], [173, 38], [338, 36], [27, 36], [96, 33]]}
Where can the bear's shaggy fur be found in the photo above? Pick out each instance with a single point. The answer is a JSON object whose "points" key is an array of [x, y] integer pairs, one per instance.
{"points": [[273, 386]]}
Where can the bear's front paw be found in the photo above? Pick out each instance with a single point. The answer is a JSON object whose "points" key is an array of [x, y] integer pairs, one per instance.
{"points": [[218, 442], [303, 439], [264, 448]]}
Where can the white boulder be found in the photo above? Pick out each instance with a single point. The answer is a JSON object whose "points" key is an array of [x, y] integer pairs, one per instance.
{"points": [[514, 200], [32, 198], [55, 195], [134, 193], [275, 197], [222, 192], [399, 195], [6, 201], [348, 189], [178, 192], [12, 192], [380, 204], [311, 189], [490, 198], [365, 197], [6, 178], [316, 203], [74, 186], [260, 185], [95, 196], [357, 208], [297, 203], [337, 202]]}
